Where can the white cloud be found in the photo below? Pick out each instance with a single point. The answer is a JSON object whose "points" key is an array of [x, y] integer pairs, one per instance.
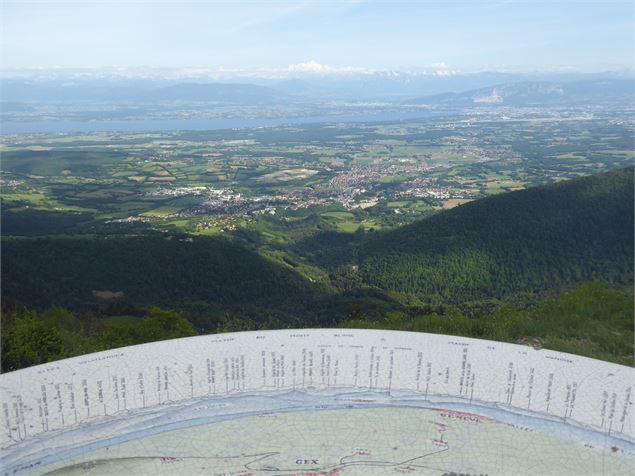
{"points": [[313, 67], [310, 66], [442, 69]]}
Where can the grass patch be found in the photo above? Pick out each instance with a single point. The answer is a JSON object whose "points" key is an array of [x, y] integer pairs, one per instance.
{"points": [[339, 215]]}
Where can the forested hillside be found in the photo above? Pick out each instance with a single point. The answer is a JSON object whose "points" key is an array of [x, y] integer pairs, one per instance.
{"points": [[594, 320], [520, 242], [208, 275], [477, 270]]}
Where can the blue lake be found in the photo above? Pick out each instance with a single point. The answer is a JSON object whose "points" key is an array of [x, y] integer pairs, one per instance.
{"points": [[142, 125]]}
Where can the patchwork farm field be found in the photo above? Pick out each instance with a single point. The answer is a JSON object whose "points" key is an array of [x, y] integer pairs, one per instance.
{"points": [[351, 176]]}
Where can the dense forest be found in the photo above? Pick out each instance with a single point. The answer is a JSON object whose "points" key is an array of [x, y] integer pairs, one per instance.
{"points": [[186, 273], [542, 265], [522, 242], [591, 319], [526, 241]]}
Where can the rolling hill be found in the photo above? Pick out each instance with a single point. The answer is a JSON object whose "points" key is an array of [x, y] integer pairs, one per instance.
{"points": [[525, 241], [533, 241], [550, 265], [212, 275], [530, 93]]}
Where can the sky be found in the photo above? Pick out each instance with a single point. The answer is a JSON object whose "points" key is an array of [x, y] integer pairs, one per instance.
{"points": [[321, 36]]}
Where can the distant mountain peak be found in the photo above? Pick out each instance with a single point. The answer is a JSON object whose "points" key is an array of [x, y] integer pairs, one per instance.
{"points": [[525, 93]]}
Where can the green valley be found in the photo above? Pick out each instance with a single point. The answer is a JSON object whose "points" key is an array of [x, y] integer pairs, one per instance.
{"points": [[541, 266]]}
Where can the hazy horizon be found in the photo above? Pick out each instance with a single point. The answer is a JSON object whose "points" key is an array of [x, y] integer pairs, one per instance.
{"points": [[310, 68]]}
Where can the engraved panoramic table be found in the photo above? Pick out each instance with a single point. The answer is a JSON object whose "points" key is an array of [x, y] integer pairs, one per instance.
{"points": [[315, 402]]}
